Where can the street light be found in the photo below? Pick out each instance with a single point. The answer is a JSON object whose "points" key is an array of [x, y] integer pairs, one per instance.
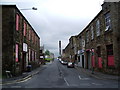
{"points": [[33, 8]]}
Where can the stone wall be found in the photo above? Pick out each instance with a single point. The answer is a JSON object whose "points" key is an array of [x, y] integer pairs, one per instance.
{"points": [[100, 42], [11, 37]]}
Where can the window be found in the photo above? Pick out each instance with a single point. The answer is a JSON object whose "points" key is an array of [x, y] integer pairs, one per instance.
{"points": [[110, 56], [29, 34], [107, 21], [25, 27], [17, 22], [83, 43], [98, 28], [36, 40], [71, 40], [32, 37], [80, 41], [87, 36], [92, 33], [33, 56], [29, 54], [16, 51]]}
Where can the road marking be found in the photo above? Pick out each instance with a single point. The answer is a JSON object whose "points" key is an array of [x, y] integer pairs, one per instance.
{"points": [[85, 84], [83, 78], [16, 81], [97, 84], [24, 80], [66, 82], [79, 77], [16, 86]]}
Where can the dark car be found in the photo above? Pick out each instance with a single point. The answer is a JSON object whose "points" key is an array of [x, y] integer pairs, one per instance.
{"points": [[70, 64]]}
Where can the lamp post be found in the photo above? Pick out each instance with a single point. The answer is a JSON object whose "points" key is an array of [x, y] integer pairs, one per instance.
{"points": [[33, 8]]}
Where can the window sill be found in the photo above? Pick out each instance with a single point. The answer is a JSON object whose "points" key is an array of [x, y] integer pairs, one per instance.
{"points": [[108, 31]]}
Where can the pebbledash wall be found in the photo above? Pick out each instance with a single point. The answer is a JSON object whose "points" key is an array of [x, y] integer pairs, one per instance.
{"points": [[20, 42], [98, 44]]}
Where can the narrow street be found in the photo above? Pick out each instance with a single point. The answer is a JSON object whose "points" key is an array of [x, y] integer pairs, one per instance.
{"points": [[56, 75]]}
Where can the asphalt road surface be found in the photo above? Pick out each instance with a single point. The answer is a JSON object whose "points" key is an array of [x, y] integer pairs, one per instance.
{"points": [[56, 75]]}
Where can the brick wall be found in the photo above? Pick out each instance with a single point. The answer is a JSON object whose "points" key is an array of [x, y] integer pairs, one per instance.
{"points": [[101, 35], [12, 36], [7, 38]]}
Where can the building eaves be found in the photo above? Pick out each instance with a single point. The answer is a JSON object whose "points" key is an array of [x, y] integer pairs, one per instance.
{"points": [[91, 21]]}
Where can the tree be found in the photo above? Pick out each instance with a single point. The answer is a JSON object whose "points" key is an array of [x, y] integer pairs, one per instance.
{"points": [[47, 52]]}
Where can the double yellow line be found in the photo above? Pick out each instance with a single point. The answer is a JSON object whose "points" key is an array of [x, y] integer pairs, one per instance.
{"points": [[17, 81]]}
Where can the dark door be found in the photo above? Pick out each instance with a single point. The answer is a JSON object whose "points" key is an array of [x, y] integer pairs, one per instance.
{"points": [[23, 62], [88, 60], [83, 61]]}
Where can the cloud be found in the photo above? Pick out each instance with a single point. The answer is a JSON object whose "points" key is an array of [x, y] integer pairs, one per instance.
{"points": [[58, 19]]}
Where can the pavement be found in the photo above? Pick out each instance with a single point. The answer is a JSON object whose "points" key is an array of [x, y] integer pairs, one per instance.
{"points": [[98, 75], [28, 75], [23, 77]]}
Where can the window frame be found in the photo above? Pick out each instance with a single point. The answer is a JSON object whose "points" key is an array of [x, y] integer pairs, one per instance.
{"points": [[92, 32], [87, 36], [16, 52], [25, 28], [17, 22], [98, 28], [107, 21]]}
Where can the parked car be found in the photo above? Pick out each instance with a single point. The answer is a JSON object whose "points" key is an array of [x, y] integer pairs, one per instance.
{"points": [[60, 59], [64, 62], [70, 64]]}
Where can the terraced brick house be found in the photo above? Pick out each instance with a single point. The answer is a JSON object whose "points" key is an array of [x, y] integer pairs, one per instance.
{"points": [[98, 44], [20, 42]]}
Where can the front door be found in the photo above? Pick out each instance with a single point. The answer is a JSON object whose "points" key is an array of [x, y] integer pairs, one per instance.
{"points": [[83, 61], [88, 60], [24, 62]]}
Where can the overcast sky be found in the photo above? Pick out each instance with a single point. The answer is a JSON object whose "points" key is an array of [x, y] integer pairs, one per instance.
{"points": [[58, 19]]}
